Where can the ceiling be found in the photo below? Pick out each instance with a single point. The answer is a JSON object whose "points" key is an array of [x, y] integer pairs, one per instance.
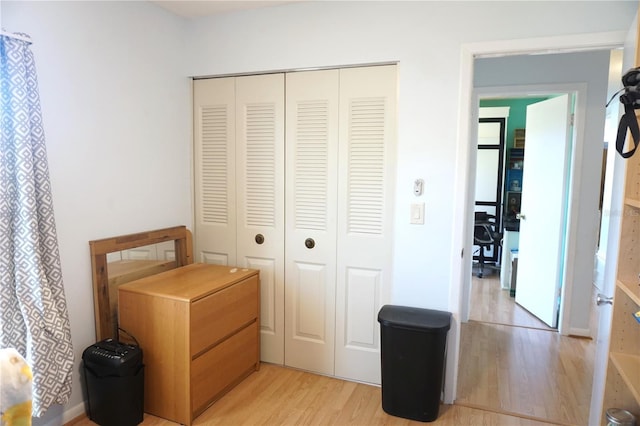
{"points": [[200, 8]]}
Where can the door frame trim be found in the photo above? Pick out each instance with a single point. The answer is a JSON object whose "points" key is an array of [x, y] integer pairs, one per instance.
{"points": [[463, 195]]}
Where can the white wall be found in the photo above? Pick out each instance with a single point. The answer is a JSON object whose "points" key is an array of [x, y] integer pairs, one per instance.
{"points": [[115, 101], [428, 40], [591, 68], [117, 107], [425, 37], [610, 132]]}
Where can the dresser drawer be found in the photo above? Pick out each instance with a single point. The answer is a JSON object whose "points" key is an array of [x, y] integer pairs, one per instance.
{"points": [[223, 366], [220, 314]]}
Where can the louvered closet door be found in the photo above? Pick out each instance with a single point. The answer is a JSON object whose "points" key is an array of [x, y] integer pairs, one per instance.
{"points": [[311, 182], [365, 216], [214, 162], [260, 199]]}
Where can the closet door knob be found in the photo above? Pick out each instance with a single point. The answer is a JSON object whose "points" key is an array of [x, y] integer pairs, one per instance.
{"points": [[259, 238], [309, 243]]}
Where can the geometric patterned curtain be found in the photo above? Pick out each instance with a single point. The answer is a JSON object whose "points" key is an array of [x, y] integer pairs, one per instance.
{"points": [[33, 309]]}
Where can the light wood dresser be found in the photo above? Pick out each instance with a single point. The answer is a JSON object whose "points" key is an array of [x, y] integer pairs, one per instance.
{"points": [[198, 327]]}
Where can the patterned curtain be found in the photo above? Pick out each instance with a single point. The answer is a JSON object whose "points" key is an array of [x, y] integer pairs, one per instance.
{"points": [[33, 310]]}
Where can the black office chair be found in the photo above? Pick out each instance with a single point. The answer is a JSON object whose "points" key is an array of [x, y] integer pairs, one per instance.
{"points": [[485, 235]]}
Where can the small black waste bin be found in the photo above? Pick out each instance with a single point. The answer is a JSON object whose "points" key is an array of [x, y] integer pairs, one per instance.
{"points": [[413, 344], [114, 376]]}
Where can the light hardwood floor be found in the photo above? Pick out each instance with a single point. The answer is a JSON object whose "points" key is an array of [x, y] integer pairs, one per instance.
{"points": [[281, 396], [489, 303], [526, 369], [533, 373]]}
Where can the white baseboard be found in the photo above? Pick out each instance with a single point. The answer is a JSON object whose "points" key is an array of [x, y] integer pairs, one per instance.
{"points": [[580, 332], [58, 415], [73, 412]]}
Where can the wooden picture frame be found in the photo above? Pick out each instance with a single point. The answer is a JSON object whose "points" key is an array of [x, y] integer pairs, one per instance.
{"points": [[107, 277]]}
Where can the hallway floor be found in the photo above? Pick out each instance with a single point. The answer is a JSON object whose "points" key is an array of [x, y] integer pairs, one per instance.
{"points": [[489, 303], [511, 362]]}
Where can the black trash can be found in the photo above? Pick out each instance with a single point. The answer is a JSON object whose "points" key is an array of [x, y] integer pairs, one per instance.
{"points": [[413, 345], [114, 376]]}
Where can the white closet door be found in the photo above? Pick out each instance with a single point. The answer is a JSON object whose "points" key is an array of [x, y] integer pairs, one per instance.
{"points": [[311, 182], [365, 216], [260, 199], [214, 164]]}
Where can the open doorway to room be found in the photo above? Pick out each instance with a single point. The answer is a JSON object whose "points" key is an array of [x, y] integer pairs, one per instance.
{"points": [[534, 230], [499, 171], [515, 363]]}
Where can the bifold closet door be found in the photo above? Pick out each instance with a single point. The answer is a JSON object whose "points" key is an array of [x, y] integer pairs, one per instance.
{"points": [[260, 199], [340, 168], [311, 182], [365, 216], [339, 216], [214, 110], [239, 187]]}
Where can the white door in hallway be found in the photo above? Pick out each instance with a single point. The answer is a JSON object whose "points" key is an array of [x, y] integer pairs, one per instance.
{"points": [[543, 210]]}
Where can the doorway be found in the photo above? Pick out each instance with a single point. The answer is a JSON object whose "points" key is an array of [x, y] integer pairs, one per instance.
{"points": [[545, 205], [580, 182], [566, 233], [583, 192], [489, 188], [513, 356]]}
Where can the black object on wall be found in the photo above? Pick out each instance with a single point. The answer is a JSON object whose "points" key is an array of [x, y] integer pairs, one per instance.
{"points": [[631, 101]]}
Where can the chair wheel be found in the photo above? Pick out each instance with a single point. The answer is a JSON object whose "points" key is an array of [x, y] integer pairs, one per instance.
{"points": [[479, 274]]}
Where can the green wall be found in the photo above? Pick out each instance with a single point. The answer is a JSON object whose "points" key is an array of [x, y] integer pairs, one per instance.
{"points": [[517, 114], [517, 120]]}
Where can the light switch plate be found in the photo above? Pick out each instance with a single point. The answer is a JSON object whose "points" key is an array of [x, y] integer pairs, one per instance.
{"points": [[417, 214]]}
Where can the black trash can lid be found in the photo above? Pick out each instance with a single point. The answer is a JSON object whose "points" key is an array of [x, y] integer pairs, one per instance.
{"points": [[414, 318]]}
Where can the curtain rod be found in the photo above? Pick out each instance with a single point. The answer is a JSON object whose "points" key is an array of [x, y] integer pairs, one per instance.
{"points": [[16, 36]]}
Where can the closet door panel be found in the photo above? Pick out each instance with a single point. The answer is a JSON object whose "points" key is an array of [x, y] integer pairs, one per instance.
{"points": [[311, 204], [362, 289], [365, 212], [268, 296], [260, 198], [214, 174]]}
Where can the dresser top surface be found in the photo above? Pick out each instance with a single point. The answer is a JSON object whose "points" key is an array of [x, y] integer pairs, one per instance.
{"points": [[189, 282]]}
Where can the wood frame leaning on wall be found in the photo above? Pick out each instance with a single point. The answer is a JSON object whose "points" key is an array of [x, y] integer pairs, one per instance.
{"points": [[105, 290]]}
